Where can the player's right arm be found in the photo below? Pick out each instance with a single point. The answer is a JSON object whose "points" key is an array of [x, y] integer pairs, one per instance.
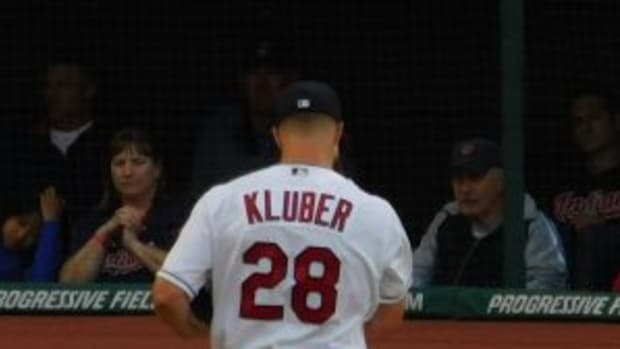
{"points": [[388, 318], [172, 306]]}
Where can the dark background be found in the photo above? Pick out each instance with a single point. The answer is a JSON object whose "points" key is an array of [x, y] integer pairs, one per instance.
{"points": [[414, 76]]}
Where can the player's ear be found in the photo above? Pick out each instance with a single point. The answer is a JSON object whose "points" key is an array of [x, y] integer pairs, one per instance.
{"points": [[276, 136], [338, 133]]}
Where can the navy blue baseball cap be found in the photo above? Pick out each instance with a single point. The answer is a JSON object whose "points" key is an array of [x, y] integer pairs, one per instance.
{"points": [[308, 97], [475, 156]]}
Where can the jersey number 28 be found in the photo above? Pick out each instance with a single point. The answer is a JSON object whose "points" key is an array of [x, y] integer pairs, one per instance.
{"points": [[305, 283]]}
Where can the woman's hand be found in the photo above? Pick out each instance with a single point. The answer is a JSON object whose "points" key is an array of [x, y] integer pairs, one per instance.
{"points": [[51, 204], [129, 238], [130, 219], [111, 225]]}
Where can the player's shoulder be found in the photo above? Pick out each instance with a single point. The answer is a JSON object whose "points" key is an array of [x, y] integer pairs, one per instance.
{"points": [[378, 206], [371, 207], [259, 177], [378, 222], [279, 174], [239, 184]]}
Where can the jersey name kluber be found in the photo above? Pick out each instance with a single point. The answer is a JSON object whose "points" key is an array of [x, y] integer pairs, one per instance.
{"points": [[321, 209]]}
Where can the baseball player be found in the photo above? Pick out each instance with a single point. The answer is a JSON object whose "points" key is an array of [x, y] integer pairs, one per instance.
{"points": [[297, 256]]}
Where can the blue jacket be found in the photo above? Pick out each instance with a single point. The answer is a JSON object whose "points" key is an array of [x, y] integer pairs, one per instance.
{"points": [[40, 264]]}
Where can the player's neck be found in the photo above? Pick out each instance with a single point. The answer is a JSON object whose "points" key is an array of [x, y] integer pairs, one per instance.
{"points": [[307, 157]]}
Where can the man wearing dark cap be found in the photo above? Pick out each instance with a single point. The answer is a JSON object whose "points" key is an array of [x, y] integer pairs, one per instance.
{"points": [[464, 243], [298, 256], [236, 139]]}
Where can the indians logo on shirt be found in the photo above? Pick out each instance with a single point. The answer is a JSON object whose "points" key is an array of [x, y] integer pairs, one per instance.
{"points": [[121, 262], [568, 204]]}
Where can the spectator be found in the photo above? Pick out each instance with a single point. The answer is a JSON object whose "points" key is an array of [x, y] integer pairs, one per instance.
{"points": [[63, 149], [237, 138], [31, 245], [126, 238], [588, 209], [464, 243]]}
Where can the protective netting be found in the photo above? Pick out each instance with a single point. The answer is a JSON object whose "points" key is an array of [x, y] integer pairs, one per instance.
{"points": [[414, 77]]}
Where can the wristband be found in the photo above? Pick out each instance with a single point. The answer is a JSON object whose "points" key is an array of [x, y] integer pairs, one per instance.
{"points": [[102, 238]]}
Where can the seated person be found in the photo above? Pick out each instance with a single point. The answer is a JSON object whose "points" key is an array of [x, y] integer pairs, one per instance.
{"points": [[587, 209], [31, 245], [126, 238], [237, 138], [464, 243], [63, 149]]}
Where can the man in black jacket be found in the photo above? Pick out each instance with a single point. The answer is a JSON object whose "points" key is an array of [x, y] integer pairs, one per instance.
{"points": [[464, 243], [64, 149]]}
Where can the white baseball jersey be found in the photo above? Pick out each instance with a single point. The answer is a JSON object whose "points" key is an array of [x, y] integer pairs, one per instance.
{"points": [[297, 257]]}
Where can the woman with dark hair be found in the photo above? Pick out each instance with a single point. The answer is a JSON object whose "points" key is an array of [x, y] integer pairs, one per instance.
{"points": [[127, 236]]}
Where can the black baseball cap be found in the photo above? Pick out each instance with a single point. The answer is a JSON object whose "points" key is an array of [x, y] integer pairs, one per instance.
{"points": [[475, 156], [313, 97]]}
